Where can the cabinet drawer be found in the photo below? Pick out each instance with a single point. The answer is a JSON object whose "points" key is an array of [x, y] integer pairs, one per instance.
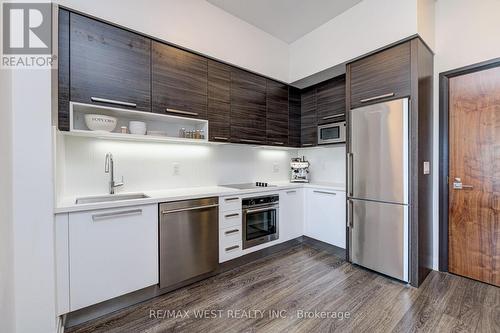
{"points": [[230, 203], [104, 245], [386, 73], [230, 218], [230, 243]]}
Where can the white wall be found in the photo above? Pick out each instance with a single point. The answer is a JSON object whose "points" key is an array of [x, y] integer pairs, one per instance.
{"points": [[467, 32], [369, 25], [6, 226], [426, 21], [32, 197], [197, 25], [327, 163], [149, 166]]}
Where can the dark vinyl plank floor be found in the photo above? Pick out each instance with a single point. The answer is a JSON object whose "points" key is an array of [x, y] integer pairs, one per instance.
{"points": [[305, 279]]}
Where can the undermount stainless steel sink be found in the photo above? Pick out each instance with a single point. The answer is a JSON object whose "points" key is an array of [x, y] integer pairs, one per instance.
{"points": [[111, 197]]}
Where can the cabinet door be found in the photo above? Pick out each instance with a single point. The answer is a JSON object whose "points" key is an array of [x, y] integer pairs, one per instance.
{"points": [[277, 113], [219, 99], [109, 66], [294, 117], [179, 82], [112, 252], [308, 119], [248, 107], [386, 73], [291, 217], [331, 100], [325, 216]]}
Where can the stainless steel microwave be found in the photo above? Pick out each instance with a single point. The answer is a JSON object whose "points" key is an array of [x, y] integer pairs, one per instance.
{"points": [[331, 133]]}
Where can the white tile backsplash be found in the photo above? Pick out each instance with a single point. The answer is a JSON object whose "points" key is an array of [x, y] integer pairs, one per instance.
{"points": [[149, 166]]}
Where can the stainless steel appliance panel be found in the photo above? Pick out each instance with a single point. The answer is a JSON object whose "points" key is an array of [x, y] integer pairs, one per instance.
{"points": [[378, 160], [379, 237], [331, 133], [189, 239]]}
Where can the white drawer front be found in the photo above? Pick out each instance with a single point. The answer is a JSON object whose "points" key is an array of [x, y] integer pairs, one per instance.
{"points": [[229, 203], [230, 218], [230, 243], [112, 252]]}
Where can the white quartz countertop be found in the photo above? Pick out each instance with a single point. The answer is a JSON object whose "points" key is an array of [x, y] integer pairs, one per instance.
{"points": [[67, 204]]}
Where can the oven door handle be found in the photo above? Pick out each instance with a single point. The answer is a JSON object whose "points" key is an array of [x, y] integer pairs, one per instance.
{"points": [[258, 210]]}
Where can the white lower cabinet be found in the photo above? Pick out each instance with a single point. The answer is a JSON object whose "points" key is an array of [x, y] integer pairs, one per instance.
{"points": [[325, 218], [291, 214], [111, 252]]}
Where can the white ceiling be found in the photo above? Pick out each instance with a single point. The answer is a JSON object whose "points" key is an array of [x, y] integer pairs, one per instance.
{"points": [[287, 20]]}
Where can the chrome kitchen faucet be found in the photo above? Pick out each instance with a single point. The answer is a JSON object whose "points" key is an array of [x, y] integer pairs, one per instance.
{"points": [[109, 167]]}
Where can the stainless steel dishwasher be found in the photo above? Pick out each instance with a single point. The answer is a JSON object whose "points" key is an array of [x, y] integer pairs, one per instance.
{"points": [[189, 239]]}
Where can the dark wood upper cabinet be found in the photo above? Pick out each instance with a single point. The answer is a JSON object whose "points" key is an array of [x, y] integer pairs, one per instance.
{"points": [[179, 82], [108, 65], [219, 99], [63, 71], [331, 100], [294, 117], [308, 119], [386, 73], [248, 107], [277, 113]]}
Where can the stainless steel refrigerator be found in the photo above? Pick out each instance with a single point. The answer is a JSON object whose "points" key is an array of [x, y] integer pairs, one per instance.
{"points": [[377, 164]]}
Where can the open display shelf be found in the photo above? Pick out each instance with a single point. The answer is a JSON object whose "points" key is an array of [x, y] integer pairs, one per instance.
{"points": [[170, 125]]}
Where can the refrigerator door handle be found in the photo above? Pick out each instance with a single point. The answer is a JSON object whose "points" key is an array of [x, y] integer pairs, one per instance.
{"points": [[349, 174], [350, 222]]}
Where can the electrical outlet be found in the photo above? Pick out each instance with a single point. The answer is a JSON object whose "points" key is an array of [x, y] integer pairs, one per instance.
{"points": [[276, 168], [176, 169]]}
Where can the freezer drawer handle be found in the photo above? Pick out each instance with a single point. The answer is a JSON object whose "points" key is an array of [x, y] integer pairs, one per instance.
{"points": [[325, 192], [112, 101], [232, 248], [350, 222], [107, 216], [188, 209], [231, 232], [366, 100]]}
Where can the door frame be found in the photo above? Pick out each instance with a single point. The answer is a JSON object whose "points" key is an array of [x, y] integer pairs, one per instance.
{"points": [[444, 78]]}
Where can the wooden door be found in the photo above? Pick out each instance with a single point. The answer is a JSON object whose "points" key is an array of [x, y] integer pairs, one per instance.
{"points": [[179, 82], [277, 114], [386, 73], [474, 210], [294, 117], [219, 101], [248, 107], [308, 119], [108, 65], [331, 100]]}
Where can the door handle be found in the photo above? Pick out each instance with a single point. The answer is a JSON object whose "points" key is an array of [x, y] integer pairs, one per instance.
{"points": [[366, 100], [188, 209], [350, 222], [112, 101], [457, 185], [324, 192], [182, 112], [349, 173], [232, 215], [231, 232], [106, 216]]}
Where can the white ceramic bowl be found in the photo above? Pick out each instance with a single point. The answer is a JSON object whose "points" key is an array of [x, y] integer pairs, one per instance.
{"points": [[137, 127], [100, 123]]}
